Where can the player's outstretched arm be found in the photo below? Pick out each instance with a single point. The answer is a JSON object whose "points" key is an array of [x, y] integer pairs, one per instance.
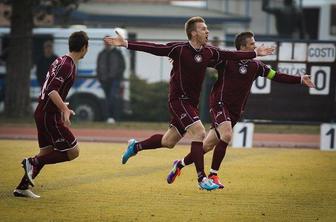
{"points": [[116, 41], [305, 79], [152, 48], [264, 50]]}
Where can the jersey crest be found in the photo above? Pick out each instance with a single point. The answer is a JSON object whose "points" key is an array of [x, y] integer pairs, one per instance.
{"points": [[242, 69], [198, 58]]}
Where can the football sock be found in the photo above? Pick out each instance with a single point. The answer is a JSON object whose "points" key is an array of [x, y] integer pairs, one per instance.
{"points": [[52, 158], [198, 157], [34, 161], [187, 160], [151, 143], [218, 155], [24, 184], [213, 172]]}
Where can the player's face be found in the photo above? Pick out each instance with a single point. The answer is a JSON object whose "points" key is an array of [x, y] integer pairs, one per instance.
{"points": [[84, 51], [250, 44], [201, 33]]}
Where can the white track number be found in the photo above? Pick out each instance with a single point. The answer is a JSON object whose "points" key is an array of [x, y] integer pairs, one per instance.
{"points": [[320, 75], [327, 137], [243, 135]]}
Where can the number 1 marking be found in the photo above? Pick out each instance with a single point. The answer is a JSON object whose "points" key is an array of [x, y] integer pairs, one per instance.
{"points": [[244, 130], [331, 132]]}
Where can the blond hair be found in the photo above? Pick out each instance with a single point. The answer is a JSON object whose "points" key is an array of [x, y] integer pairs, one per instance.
{"points": [[190, 25]]}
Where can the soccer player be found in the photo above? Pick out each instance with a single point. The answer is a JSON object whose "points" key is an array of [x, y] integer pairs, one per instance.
{"points": [[227, 101], [52, 116], [190, 60]]}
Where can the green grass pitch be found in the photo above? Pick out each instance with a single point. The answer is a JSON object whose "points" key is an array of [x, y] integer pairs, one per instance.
{"points": [[261, 185]]}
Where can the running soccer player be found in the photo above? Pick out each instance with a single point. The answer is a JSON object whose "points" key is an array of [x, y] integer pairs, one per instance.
{"points": [[227, 101], [190, 60], [52, 116]]}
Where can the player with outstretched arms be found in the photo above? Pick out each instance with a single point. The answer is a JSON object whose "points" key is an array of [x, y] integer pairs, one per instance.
{"points": [[52, 116], [190, 60], [227, 102]]}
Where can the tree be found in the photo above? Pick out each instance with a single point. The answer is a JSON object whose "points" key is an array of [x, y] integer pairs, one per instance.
{"points": [[19, 61]]}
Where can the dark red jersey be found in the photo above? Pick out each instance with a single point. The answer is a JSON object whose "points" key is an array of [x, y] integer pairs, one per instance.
{"points": [[189, 65], [235, 79], [60, 77]]}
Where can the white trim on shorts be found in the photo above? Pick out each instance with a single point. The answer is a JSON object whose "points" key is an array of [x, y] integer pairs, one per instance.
{"points": [[68, 148], [186, 128], [46, 147]]}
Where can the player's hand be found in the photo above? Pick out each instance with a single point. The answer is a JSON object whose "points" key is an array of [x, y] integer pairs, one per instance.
{"points": [[116, 41], [307, 81], [66, 116], [264, 50]]}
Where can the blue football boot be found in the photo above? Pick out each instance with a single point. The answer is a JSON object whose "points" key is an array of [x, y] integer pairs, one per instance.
{"points": [[207, 184], [130, 151]]}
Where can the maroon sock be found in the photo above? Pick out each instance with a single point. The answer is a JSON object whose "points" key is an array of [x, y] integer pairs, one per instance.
{"points": [[188, 159], [24, 184], [218, 155], [198, 157], [53, 157], [151, 143], [37, 166]]}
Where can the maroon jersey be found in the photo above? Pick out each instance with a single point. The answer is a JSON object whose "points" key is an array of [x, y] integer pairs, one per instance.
{"points": [[189, 65], [234, 82], [60, 77]]}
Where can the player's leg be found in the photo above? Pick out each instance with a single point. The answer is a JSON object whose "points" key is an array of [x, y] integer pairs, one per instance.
{"points": [[225, 132], [53, 132], [170, 140], [22, 190], [221, 119], [167, 140], [197, 132], [209, 143], [186, 115], [210, 140]]}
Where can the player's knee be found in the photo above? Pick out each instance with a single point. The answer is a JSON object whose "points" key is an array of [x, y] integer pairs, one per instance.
{"points": [[201, 135], [168, 144], [73, 153], [207, 147], [226, 137]]}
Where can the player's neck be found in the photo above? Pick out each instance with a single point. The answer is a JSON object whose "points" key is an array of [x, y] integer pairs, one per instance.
{"points": [[196, 45], [75, 56]]}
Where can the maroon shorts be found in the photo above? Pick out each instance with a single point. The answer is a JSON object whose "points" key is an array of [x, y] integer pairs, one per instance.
{"points": [[183, 114], [220, 114], [51, 131]]}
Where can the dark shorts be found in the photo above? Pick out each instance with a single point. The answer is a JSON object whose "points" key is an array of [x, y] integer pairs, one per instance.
{"points": [[183, 114], [52, 132], [220, 114]]}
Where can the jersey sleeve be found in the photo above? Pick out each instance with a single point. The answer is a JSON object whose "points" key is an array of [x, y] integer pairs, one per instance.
{"points": [[57, 77], [235, 55], [154, 48], [264, 70], [268, 72]]}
